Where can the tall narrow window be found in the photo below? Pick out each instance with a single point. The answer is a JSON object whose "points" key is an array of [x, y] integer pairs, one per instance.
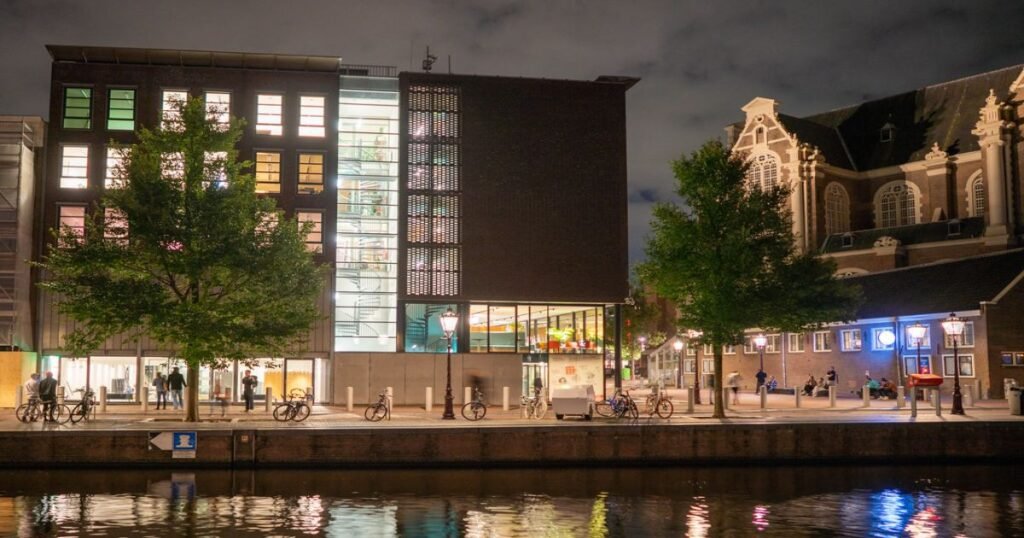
{"points": [[115, 226], [216, 168], [314, 239], [77, 108], [74, 167], [311, 173], [311, 116], [114, 177], [170, 117], [976, 195], [268, 114], [268, 171], [759, 135], [173, 167], [73, 217], [837, 209], [218, 108], [121, 110], [763, 172], [896, 204]]}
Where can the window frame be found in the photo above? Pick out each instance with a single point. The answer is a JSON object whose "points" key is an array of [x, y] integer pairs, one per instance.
{"points": [[878, 346], [256, 170], [857, 343], [947, 340], [111, 214], [60, 219], [796, 337], [814, 339], [88, 161], [299, 183], [64, 108], [837, 210], [221, 118], [109, 181], [729, 349], [912, 359], [110, 108], [773, 343], [317, 247], [268, 129], [321, 128], [926, 342], [960, 357], [169, 118]]}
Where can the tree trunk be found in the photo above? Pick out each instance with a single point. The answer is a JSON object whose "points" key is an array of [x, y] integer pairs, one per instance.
{"points": [[719, 384], [192, 391]]}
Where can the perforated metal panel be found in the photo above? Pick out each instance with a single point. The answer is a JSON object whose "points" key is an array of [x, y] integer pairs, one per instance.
{"points": [[434, 191]]}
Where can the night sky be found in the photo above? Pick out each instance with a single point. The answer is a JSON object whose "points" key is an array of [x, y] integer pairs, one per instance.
{"points": [[700, 61]]}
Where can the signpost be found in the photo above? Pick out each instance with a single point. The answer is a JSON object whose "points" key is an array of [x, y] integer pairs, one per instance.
{"points": [[181, 444]]}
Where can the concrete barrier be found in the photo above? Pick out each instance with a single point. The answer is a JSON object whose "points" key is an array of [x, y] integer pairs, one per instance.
{"points": [[504, 398], [900, 397], [831, 395], [865, 393], [796, 397], [348, 399], [390, 393], [763, 392], [937, 402], [467, 394], [429, 399]]}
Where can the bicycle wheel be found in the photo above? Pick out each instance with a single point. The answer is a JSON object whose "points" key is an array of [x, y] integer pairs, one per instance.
{"points": [[542, 409], [301, 412], [26, 413], [474, 411], [62, 414], [281, 412], [665, 409], [604, 409], [376, 412], [632, 411], [77, 413]]}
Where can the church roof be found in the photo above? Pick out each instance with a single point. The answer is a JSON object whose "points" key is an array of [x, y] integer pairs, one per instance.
{"points": [[945, 113], [935, 288]]}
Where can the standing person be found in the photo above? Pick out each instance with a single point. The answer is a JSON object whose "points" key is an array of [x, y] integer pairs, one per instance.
{"points": [[176, 382], [761, 376], [48, 395], [832, 376], [733, 382], [538, 386], [32, 388], [711, 385], [249, 389], [160, 383]]}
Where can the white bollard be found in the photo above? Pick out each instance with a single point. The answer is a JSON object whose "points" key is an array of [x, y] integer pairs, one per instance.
{"points": [[937, 402], [913, 402], [390, 392], [969, 396], [689, 399], [764, 397], [467, 394], [831, 395], [866, 394], [144, 394], [796, 397], [504, 398], [429, 399], [18, 398], [60, 395], [268, 399], [103, 399], [348, 398], [900, 397]]}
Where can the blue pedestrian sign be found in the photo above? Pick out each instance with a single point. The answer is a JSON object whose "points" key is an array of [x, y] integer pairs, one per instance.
{"points": [[184, 445]]}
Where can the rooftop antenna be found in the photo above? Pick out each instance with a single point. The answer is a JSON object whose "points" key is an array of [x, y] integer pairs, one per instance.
{"points": [[428, 62]]}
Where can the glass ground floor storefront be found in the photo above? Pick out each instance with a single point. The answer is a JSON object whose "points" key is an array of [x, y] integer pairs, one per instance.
{"points": [[124, 376]]}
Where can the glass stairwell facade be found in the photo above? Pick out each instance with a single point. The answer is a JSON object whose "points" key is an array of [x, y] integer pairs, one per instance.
{"points": [[367, 257]]}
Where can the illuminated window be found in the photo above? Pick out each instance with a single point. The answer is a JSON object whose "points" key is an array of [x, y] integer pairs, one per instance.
{"points": [[763, 172], [216, 168], [311, 173], [728, 349], [314, 239], [218, 108], [879, 337], [976, 195], [268, 114], [966, 339], [121, 110], [823, 341], [115, 226], [74, 167], [796, 342], [837, 209], [73, 217], [773, 343], [77, 108], [966, 365], [708, 350], [926, 342], [173, 167], [170, 116], [268, 171], [114, 177], [311, 116], [850, 340], [896, 204]]}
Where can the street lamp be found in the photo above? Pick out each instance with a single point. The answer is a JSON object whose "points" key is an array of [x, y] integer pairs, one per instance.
{"points": [[449, 320], [678, 346], [760, 341], [693, 335], [954, 328], [917, 332]]}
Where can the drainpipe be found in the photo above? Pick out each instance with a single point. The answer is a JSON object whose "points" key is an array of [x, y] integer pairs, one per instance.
{"points": [[784, 343]]}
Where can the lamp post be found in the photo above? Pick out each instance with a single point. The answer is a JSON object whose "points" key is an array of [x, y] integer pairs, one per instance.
{"points": [[449, 320], [917, 332], [954, 327], [693, 335], [678, 346], [760, 341]]}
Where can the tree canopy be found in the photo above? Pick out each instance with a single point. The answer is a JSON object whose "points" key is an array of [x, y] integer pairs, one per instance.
{"points": [[728, 258], [184, 250]]}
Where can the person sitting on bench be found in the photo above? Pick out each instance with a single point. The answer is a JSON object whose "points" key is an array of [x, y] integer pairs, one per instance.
{"points": [[809, 385]]}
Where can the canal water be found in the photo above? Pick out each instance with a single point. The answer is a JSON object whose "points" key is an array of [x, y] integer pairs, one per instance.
{"points": [[771, 501]]}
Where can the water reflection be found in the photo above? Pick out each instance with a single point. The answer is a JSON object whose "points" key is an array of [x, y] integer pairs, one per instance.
{"points": [[835, 501]]}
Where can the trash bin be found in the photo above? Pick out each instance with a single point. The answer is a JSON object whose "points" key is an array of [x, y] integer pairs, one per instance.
{"points": [[1016, 394]]}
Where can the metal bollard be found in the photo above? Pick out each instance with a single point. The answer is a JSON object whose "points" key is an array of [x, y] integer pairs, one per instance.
{"points": [[390, 392], [901, 393], [977, 384], [764, 397], [725, 398], [937, 402], [969, 396], [504, 399], [144, 394], [796, 396], [866, 395], [689, 399], [103, 399], [268, 399], [429, 399], [348, 399], [913, 402], [467, 394], [831, 395]]}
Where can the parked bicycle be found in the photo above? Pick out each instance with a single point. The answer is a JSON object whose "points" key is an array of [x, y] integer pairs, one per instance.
{"points": [[658, 402], [294, 408], [476, 409], [620, 405], [84, 409], [34, 410], [534, 407], [379, 410]]}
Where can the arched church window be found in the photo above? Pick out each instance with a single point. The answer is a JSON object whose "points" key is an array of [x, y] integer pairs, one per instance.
{"points": [[837, 209]]}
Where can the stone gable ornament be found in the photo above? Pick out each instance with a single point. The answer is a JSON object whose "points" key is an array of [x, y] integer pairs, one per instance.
{"points": [[886, 241], [936, 153]]}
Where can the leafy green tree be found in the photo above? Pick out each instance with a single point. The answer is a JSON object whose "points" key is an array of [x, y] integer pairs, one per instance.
{"points": [[728, 258], [187, 253], [640, 316]]}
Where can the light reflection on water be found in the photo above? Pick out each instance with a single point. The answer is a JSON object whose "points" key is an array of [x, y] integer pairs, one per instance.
{"points": [[802, 501]]}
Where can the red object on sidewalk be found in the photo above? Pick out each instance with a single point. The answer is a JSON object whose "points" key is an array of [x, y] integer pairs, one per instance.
{"points": [[924, 380]]}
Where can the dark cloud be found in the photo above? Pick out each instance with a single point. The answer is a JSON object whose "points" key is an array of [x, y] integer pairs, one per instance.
{"points": [[701, 61]]}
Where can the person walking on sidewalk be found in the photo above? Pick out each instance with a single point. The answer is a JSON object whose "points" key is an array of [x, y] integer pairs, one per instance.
{"points": [[160, 383], [733, 382], [176, 382], [249, 389]]}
